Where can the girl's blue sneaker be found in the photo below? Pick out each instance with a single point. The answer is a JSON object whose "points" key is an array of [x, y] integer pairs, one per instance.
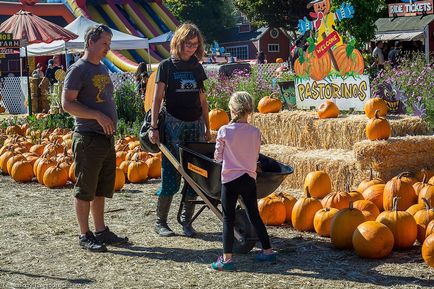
{"points": [[263, 257], [221, 265]]}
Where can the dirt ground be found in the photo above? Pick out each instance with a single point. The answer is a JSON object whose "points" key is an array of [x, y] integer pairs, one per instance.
{"points": [[39, 249]]}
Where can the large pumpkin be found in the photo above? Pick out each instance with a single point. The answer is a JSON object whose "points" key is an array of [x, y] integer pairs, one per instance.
{"points": [[22, 171], [318, 184], [272, 210], [304, 212], [349, 59], [343, 225], [55, 177], [378, 128], [374, 104], [137, 171], [402, 225], [328, 109], [398, 188], [322, 221], [269, 104], [372, 240], [428, 250], [217, 118]]}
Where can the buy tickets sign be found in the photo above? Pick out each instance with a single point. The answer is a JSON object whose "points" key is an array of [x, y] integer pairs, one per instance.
{"points": [[411, 9]]}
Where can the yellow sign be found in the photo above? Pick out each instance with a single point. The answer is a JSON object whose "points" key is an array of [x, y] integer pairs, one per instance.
{"points": [[197, 170]]}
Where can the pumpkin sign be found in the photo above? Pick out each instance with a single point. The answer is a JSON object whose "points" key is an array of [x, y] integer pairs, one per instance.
{"points": [[350, 59]]}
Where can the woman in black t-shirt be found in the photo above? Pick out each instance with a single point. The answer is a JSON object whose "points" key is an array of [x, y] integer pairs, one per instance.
{"points": [[179, 82]]}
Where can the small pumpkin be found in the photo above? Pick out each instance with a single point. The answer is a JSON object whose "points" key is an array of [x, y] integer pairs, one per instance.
{"points": [[55, 177], [328, 109], [269, 104], [374, 104], [369, 182], [272, 210], [317, 183], [402, 225], [368, 208], [423, 218], [322, 221], [428, 250], [218, 118], [343, 225], [137, 171], [154, 165], [304, 211], [427, 192], [415, 208], [119, 179], [372, 240], [279, 60], [374, 194], [396, 187], [22, 171], [378, 128]]}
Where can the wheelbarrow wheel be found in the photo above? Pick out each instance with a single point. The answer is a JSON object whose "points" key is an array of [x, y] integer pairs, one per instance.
{"points": [[242, 223]]}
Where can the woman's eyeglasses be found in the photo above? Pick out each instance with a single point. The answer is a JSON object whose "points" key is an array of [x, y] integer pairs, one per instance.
{"points": [[191, 45]]}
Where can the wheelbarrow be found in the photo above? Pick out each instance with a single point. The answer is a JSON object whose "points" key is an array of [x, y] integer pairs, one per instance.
{"points": [[203, 174]]}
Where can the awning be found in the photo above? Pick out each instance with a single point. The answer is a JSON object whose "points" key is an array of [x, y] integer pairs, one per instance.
{"points": [[404, 36]]}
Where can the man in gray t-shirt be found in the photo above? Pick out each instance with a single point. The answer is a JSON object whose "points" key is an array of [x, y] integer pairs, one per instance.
{"points": [[88, 96]]}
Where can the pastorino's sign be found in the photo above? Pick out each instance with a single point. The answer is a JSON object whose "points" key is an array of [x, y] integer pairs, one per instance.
{"points": [[349, 93], [411, 8]]}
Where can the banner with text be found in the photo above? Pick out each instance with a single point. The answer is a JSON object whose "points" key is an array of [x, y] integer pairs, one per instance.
{"points": [[348, 93]]}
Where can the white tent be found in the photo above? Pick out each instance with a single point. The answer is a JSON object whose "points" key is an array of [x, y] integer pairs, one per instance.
{"points": [[79, 26]]}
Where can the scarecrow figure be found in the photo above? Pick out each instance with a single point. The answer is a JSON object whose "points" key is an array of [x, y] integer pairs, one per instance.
{"points": [[323, 21]]}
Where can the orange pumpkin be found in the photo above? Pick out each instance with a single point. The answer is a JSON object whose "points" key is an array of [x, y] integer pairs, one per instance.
{"points": [[119, 179], [22, 171], [300, 65], [378, 128], [289, 202], [374, 194], [372, 240], [402, 225], [272, 210], [328, 109], [423, 218], [343, 225], [322, 221], [398, 188], [338, 200], [368, 208], [349, 59], [154, 165], [71, 173], [427, 192], [317, 183], [429, 229], [137, 171], [217, 118], [415, 208], [55, 177], [303, 213], [428, 250], [319, 67], [374, 104], [368, 182], [269, 104]]}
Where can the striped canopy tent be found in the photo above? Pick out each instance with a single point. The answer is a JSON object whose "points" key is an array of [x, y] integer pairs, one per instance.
{"points": [[26, 26]]}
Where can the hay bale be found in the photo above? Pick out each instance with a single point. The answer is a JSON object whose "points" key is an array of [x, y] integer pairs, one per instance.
{"points": [[299, 128], [395, 155], [339, 164]]}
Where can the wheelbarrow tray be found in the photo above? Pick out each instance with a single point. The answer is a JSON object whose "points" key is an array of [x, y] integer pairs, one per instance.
{"points": [[196, 159]]}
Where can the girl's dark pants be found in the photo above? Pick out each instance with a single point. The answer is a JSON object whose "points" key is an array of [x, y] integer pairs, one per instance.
{"points": [[246, 187]]}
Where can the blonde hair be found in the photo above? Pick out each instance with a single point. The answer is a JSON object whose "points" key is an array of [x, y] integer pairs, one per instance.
{"points": [[240, 104], [183, 34]]}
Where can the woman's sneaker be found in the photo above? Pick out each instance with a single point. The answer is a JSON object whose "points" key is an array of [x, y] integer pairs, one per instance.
{"points": [[221, 265], [264, 257], [107, 237], [89, 242]]}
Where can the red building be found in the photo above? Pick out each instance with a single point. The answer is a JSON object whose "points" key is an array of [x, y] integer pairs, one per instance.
{"points": [[244, 42]]}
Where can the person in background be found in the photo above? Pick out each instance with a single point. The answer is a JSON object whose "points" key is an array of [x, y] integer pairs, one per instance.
{"points": [[179, 82], [378, 55], [394, 54], [38, 73], [141, 76], [88, 96], [260, 58], [237, 147]]}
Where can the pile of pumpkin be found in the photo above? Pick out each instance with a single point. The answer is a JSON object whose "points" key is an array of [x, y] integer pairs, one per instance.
{"points": [[373, 219], [377, 128], [47, 156]]}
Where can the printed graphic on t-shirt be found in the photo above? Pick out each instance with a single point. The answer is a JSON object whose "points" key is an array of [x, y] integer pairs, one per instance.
{"points": [[100, 81], [185, 82]]}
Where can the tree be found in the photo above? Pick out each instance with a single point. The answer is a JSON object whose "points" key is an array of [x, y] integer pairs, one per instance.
{"points": [[211, 16], [273, 13], [362, 25]]}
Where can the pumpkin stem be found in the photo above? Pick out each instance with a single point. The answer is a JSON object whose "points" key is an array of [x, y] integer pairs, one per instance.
{"points": [[307, 192], [424, 179], [350, 205], [395, 204], [371, 174], [376, 114], [427, 204], [317, 167]]}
